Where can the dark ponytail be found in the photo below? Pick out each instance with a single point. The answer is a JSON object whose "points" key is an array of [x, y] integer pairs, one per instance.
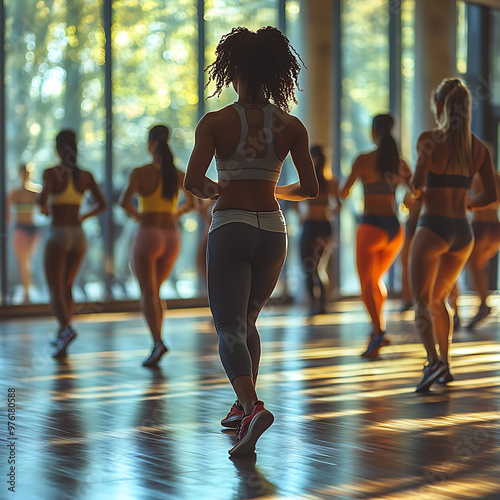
{"points": [[387, 160], [66, 147], [170, 182]]}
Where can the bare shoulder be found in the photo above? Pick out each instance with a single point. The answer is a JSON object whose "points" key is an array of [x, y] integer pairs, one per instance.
{"points": [[284, 119], [427, 135], [216, 118]]}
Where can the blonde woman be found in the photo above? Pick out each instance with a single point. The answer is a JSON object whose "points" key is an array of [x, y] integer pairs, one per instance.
{"points": [[448, 158]]}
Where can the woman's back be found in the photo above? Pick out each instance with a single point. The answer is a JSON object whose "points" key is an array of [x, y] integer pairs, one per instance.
{"points": [[256, 149], [378, 189], [63, 181], [447, 182]]}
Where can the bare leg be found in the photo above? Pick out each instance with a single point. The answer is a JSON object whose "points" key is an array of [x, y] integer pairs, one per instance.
{"points": [[450, 266], [55, 265], [425, 252]]}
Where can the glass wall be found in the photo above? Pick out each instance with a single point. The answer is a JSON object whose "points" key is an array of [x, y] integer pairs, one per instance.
{"points": [[365, 93], [54, 64], [154, 71], [54, 79]]}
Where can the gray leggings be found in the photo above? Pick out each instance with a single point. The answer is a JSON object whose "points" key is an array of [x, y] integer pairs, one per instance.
{"points": [[244, 263]]}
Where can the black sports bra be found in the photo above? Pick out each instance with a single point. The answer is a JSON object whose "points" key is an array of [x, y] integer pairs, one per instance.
{"points": [[449, 180]]}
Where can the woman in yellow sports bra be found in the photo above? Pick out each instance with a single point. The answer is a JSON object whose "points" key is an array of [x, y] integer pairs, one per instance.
{"points": [[157, 240], [61, 197], [26, 235]]}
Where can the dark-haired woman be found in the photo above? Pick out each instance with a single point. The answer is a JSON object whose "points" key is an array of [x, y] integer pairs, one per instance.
{"points": [[379, 236], [157, 240], [26, 234], [247, 239], [448, 158], [61, 197], [316, 238]]}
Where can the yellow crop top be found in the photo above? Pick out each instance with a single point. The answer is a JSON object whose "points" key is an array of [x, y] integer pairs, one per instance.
{"points": [[69, 195], [155, 202]]}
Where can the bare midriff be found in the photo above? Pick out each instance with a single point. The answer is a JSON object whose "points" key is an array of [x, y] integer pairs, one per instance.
{"points": [[379, 204], [445, 202], [252, 195], [163, 220], [65, 215]]}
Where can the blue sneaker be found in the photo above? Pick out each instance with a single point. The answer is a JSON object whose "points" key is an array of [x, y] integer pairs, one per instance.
{"points": [[65, 338], [431, 374], [158, 351], [377, 341]]}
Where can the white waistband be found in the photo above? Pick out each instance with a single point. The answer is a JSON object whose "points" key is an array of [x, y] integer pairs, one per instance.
{"points": [[268, 221]]}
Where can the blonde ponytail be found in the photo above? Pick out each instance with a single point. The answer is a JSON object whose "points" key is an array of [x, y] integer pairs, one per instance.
{"points": [[455, 121]]}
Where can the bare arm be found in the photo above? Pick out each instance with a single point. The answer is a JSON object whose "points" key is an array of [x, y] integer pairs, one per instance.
{"points": [[488, 195], [100, 203], [189, 202], [425, 148], [43, 197], [353, 176], [405, 175], [307, 186], [195, 180], [127, 196]]}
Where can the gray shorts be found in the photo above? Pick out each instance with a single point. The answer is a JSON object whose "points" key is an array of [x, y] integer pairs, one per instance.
{"points": [[71, 238]]}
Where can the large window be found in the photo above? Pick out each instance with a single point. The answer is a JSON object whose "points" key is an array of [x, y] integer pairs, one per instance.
{"points": [[54, 80], [365, 93], [154, 82], [55, 58]]}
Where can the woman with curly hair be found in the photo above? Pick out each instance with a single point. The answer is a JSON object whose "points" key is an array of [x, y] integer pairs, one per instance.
{"points": [[448, 158], [247, 239]]}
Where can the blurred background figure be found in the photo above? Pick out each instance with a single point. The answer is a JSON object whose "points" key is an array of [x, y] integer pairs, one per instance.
{"points": [[379, 237], [413, 205], [316, 241], [22, 201], [64, 187], [486, 228], [157, 240]]}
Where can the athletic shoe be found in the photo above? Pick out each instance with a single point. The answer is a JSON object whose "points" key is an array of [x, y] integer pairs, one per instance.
{"points": [[158, 351], [376, 342], [431, 374], [66, 337], [484, 310], [251, 428], [55, 340], [234, 416], [446, 377]]}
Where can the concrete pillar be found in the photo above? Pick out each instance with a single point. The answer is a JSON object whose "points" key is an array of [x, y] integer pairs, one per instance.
{"points": [[435, 54], [317, 18]]}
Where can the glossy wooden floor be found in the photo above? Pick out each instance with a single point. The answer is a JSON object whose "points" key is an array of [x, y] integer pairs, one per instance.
{"points": [[100, 426]]}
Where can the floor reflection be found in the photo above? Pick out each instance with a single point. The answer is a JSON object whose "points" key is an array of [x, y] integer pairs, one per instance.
{"points": [[100, 426]]}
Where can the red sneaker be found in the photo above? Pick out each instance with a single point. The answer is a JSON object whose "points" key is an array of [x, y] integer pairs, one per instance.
{"points": [[251, 428], [234, 416]]}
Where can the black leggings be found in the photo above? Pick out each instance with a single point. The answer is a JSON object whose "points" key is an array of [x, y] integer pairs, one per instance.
{"points": [[316, 235], [244, 263]]}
